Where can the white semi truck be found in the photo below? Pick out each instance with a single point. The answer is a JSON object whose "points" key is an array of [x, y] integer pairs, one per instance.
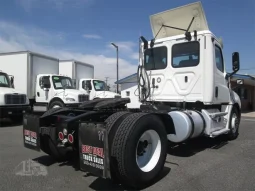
{"points": [[37, 76], [185, 94], [82, 75], [13, 102]]}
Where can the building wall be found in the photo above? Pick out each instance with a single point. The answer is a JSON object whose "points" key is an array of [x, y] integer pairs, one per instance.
{"points": [[247, 96]]}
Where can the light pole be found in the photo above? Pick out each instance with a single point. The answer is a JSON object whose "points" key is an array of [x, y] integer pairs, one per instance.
{"points": [[117, 48]]}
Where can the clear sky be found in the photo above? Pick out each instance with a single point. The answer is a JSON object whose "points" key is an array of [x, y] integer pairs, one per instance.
{"points": [[83, 29]]}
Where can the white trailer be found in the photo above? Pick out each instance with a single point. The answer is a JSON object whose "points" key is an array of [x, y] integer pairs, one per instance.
{"points": [[82, 75], [37, 76]]}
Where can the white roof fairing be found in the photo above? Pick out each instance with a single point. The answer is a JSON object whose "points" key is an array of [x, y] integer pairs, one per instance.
{"points": [[179, 17]]}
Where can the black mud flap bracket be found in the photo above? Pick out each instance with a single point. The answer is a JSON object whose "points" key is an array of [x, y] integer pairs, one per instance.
{"points": [[31, 131], [93, 149]]}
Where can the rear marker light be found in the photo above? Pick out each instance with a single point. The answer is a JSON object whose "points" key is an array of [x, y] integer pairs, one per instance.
{"points": [[70, 138], [61, 136]]}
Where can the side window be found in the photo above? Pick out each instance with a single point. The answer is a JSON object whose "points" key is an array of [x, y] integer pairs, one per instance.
{"points": [[155, 58], [185, 54], [219, 58], [86, 84]]}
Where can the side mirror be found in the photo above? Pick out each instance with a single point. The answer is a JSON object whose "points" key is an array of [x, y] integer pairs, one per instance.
{"points": [[235, 61], [46, 82], [74, 83], [12, 82], [152, 43], [145, 43], [88, 86]]}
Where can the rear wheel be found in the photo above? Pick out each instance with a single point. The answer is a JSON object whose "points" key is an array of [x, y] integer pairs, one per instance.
{"points": [[112, 123], [140, 148]]}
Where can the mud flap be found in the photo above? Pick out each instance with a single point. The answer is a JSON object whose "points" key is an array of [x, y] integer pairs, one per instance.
{"points": [[93, 149], [31, 131]]}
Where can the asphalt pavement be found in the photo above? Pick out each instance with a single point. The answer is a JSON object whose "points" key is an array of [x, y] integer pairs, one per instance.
{"points": [[201, 165]]}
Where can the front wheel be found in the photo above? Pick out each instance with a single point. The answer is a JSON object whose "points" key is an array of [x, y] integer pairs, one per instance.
{"points": [[140, 148], [234, 124], [56, 104]]}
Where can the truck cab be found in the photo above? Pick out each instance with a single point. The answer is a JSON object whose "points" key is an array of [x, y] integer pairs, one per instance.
{"points": [[54, 90], [13, 103], [96, 89], [183, 67]]}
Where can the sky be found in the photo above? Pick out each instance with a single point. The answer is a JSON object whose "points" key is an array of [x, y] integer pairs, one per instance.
{"points": [[84, 29]]}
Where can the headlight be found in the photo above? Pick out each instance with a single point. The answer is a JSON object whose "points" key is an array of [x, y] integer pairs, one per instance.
{"points": [[70, 99]]}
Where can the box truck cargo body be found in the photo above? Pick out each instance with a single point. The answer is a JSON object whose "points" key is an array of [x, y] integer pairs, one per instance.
{"points": [[82, 75], [37, 76], [76, 70]]}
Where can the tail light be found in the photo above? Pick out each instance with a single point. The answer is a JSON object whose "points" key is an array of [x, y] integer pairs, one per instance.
{"points": [[61, 136], [70, 138]]}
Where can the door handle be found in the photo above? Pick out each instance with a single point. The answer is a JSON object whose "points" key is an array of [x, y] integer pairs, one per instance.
{"points": [[153, 83], [38, 94], [186, 79], [216, 91]]}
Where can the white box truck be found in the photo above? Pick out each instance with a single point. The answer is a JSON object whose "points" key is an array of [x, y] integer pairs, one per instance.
{"points": [[37, 76], [13, 103], [82, 75]]}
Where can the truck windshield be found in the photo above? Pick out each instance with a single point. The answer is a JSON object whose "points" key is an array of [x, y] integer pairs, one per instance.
{"points": [[99, 85], [4, 80], [62, 82]]}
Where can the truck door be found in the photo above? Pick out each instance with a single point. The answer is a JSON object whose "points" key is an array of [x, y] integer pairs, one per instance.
{"points": [[221, 91], [42, 93]]}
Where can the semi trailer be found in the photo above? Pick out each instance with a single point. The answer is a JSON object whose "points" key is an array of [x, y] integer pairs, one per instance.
{"points": [[37, 76], [13, 103], [185, 94], [83, 77]]}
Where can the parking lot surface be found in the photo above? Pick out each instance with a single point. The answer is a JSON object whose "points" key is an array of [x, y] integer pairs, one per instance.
{"points": [[201, 165]]}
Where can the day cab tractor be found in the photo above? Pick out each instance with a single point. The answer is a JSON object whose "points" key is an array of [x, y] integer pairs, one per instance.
{"points": [[185, 94]]}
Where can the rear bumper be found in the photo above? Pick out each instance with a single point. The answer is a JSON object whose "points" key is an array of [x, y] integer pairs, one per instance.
{"points": [[14, 110]]}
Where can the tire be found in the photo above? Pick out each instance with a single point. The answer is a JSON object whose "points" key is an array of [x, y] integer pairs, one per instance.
{"points": [[112, 123], [56, 104], [234, 124], [125, 144]]}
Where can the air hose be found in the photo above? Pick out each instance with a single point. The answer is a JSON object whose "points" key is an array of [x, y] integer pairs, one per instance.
{"points": [[143, 80]]}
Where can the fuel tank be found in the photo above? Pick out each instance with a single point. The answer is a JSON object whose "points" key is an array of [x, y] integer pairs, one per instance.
{"points": [[188, 124]]}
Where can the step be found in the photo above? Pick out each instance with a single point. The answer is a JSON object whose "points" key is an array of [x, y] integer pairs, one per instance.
{"points": [[217, 114], [219, 132]]}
